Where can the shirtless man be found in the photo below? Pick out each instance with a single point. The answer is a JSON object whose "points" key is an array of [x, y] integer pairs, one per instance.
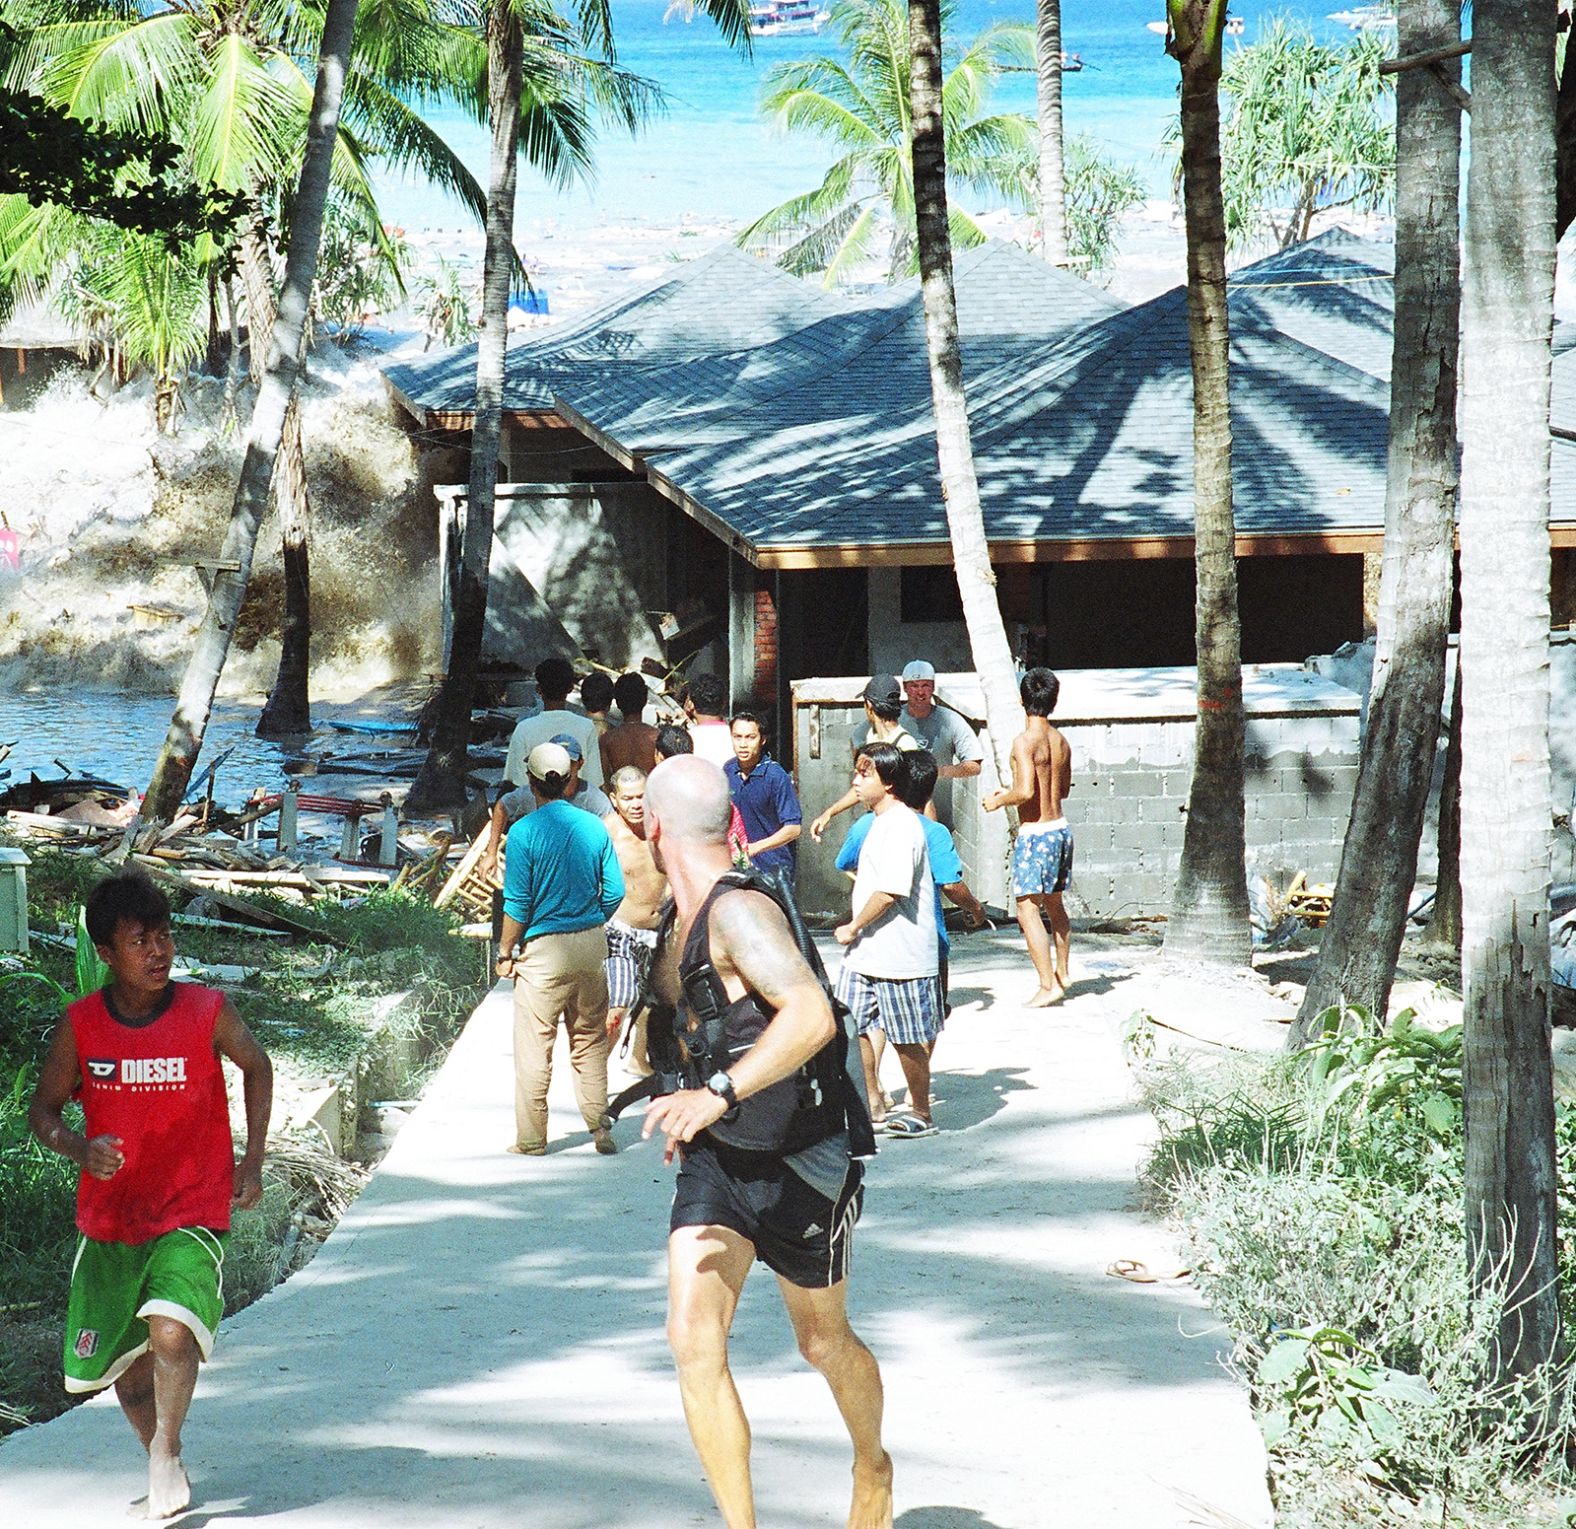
{"points": [[633, 741], [632, 930], [795, 1211], [1042, 854]]}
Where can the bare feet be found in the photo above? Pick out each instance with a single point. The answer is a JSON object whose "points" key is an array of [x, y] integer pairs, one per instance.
{"points": [[169, 1492], [872, 1504], [1045, 997]]}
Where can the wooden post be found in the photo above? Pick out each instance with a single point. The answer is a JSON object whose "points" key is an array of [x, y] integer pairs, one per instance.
{"points": [[388, 840], [288, 807], [350, 838]]}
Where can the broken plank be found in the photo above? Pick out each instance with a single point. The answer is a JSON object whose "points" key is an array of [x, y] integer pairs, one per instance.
{"points": [[272, 918]]}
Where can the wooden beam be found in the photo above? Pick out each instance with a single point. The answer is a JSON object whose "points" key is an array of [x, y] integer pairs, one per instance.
{"points": [[1426, 58], [1071, 550]]}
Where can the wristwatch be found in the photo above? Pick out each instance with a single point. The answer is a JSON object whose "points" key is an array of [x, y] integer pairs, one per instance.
{"points": [[720, 1084]]}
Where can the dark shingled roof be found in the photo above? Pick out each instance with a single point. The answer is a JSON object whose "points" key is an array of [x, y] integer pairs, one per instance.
{"points": [[1087, 436], [793, 418], [724, 301]]}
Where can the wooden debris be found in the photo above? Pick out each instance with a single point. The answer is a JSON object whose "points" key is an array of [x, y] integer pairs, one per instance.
{"points": [[1311, 904], [468, 886]]}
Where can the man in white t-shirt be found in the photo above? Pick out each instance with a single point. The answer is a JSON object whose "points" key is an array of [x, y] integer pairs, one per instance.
{"points": [[555, 678], [706, 707], [889, 974]]}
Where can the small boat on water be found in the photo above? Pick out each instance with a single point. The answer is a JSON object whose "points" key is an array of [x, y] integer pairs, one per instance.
{"points": [[1159, 28], [1072, 63], [1235, 26], [786, 18]]}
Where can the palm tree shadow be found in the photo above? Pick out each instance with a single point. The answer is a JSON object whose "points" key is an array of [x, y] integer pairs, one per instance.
{"points": [[936, 1516], [973, 1098]]}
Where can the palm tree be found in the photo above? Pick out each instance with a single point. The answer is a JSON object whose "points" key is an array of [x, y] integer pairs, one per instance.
{"points": [[1048, 74], [275, 396], [440, 783], [1358, 953], [954, 446], [862, 107], [1209, 917], [1507, 317]]}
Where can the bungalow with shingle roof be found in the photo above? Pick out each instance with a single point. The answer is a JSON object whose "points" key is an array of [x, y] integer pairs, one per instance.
{"points": [[761, 437]]}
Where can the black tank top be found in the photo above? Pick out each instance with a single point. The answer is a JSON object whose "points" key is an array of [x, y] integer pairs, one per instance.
{"points": [[797, 1111]]}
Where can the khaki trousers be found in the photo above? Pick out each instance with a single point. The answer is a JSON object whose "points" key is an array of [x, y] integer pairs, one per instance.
{"points": [[559, 975]]}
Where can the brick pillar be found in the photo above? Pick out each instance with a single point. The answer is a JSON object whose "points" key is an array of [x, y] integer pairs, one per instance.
{"points": [[764, 688]]}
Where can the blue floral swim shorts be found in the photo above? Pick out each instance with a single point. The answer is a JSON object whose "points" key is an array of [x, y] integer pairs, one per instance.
{"points": [[1042, 859]]}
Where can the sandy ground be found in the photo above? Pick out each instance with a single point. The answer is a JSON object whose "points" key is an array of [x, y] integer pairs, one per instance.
{"points": [[480, 1343]]}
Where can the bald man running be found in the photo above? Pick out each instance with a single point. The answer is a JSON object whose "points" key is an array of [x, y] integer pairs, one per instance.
{"points": [[793, 1209]]}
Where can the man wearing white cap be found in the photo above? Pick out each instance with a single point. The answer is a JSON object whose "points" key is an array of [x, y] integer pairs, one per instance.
{"points": [[941, 730], [562, 883]]}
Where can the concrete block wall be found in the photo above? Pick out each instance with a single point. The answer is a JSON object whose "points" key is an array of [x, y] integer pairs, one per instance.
{"points": [[1131, 734]]}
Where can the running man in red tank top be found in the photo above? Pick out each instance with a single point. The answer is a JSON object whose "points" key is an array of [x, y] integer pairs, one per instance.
{"points": [[159, 1176]]}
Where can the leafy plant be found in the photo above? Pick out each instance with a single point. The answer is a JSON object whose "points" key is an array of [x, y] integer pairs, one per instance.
{"points": [[1405, 1066], [444, 307], [1322, 1383], [92, 973]]}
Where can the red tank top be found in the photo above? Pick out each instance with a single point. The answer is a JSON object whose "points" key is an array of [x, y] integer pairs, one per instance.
{"points": [[160, 1088]]}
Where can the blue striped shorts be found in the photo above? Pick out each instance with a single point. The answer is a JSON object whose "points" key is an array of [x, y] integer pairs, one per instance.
{"points": [[909, 1010], [628, 950]]}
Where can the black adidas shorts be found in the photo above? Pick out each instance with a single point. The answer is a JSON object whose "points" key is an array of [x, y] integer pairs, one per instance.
{"points": [[796, 1231]]}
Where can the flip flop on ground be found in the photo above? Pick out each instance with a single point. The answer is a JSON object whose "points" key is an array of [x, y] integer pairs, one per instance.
{"points": [[1139, 1273], [910, 1125]]}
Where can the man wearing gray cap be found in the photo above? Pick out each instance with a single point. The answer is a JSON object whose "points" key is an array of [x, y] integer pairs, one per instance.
{"points": [[941, 730], [562, 883]]}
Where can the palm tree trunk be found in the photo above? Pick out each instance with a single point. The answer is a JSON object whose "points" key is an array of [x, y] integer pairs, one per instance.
{"points": [[1209, 917], [1507, 314], [288, 711], [184, 740], [1379, 858], [954, 449], [441, 780], [1053, 181]]}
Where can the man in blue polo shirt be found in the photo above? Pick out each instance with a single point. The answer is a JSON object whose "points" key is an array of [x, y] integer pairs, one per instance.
{"points": [[764, 795], [561, 884]]}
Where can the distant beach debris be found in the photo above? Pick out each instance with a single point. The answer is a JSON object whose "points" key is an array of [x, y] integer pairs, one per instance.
{"points": [[1366, 18], [787, 18]]}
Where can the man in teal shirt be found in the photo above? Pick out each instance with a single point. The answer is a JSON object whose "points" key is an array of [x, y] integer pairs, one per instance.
{"points": [[562, 883]]}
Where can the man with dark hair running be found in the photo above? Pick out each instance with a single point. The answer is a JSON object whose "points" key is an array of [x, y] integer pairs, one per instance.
{"points": [[781, 1187], [143, 1056], [1042, 854]]}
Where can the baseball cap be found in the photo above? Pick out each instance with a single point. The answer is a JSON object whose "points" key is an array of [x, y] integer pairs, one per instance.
{"points": [[918, 669], [549, 761], [882, 688], [569, 744]]}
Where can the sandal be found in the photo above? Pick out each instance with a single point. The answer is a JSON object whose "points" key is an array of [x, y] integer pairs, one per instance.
{"points": [[910, 1125]]}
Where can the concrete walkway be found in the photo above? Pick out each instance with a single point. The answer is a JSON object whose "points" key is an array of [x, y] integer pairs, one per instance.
{"points": [[480, 1343]]}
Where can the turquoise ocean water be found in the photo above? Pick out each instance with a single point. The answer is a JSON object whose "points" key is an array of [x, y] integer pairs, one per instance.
{"points": [[712, 156]]}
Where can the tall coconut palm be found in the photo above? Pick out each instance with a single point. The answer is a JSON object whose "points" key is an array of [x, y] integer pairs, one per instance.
{"points": [[954, 446], [441, 783], [862, 108], [1379, 857], [1048, 76], [1507, 319], [1209, 916], [274, 398]]}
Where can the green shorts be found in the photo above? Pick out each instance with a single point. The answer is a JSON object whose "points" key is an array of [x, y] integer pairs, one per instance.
{"points": [[117, 1286]]}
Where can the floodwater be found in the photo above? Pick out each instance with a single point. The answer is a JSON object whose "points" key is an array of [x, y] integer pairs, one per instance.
{"points": [[117, 738]]}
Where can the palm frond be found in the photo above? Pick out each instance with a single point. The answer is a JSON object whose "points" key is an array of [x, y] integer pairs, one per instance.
{"points": [[389, 129], [248, 121], [138, 77]]}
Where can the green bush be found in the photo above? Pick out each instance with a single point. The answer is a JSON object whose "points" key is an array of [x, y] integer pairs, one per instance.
{"points": [[1322, 1198]]}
